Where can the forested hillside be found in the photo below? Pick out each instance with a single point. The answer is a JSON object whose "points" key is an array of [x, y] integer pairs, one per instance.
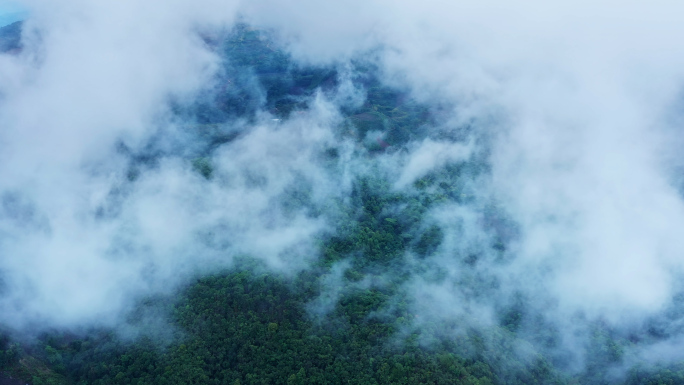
{"points": [[347, 317]]}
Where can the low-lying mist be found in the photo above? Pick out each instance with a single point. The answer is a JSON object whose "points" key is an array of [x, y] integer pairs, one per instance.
{"points": [[505, 169]]}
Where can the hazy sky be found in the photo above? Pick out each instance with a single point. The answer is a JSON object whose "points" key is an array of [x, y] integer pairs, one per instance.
{"points": [[10, 12]]}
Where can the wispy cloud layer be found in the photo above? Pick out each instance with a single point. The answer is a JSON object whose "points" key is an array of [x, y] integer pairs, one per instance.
{"points": [[573, 107]]}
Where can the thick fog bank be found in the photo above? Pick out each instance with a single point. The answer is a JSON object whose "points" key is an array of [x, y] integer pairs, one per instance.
{"points": [[142, 144]]}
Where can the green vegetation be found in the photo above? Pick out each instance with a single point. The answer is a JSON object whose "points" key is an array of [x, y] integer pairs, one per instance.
{"points": [[253, 328], [246, 326], [347, 319]]}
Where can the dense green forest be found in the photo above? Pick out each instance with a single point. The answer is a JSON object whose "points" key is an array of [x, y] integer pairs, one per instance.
{"points": [[346, 319], [251, 327]]}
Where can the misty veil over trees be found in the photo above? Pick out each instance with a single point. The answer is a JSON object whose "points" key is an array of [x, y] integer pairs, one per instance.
{"points": [[228, 192]]}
